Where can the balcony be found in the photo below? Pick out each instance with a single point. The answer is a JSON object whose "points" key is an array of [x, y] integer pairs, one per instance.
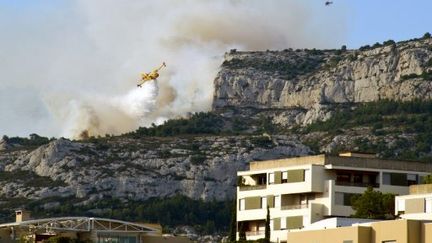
{"points": [[356, 184], [250, 188], [291, 207], [255, 233]]}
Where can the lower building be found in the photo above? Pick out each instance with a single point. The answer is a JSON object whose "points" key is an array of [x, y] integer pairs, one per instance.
{"points": [[415, 225], [391, 231], [86, 229]]}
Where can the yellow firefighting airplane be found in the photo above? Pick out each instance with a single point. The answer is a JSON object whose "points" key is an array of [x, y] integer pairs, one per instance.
{"points": [[153, 75]]}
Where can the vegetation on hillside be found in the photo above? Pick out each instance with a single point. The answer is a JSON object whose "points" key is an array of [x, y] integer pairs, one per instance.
{"points": [[206, 217], [198, 123], [34, 140], [206, 123], [286, 69], [385, 117]]}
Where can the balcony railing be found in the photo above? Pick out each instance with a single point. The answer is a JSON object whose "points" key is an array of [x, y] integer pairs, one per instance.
{"points": [[255, 233], [249, 188], [290, 207], [357, 184]]}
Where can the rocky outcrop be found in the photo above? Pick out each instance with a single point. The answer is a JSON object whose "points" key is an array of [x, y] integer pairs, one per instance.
{"points": [[307, 84], [5, 145], [199, 167]]}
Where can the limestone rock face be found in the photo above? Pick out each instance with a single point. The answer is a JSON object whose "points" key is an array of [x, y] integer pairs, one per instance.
{"points": [[315, 81], [139, 169]]}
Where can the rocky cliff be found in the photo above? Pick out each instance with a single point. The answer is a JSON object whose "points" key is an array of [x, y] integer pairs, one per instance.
{"points": [[198, 167], [254, 93], [306, 85]]}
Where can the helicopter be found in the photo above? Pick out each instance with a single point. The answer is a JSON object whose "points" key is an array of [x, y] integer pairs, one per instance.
{"points": [[328, 3], [153, 75]]}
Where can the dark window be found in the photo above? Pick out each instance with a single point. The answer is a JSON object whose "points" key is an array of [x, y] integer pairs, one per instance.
{"points": [[343, 177], [344, 199], [348, 197], [358, 178], [399, 179]]}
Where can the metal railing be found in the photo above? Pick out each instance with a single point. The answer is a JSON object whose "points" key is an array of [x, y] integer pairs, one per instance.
{"points": [[254, 233], [297, 206], [357, 184], [249, 188]]}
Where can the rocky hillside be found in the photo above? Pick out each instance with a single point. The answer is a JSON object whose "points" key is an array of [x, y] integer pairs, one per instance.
{"points": [[267, 105], [302, 86], [138, 169]]}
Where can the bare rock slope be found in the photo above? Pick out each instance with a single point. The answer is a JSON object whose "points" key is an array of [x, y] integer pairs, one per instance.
{"points": [[305, 85]]}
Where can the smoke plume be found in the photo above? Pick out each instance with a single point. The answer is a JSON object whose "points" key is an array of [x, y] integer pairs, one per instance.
{"points": [[73, 67]]}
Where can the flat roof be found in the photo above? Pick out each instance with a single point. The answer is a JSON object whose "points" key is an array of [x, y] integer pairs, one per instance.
{"points": [[344, 161], [84, 224]]}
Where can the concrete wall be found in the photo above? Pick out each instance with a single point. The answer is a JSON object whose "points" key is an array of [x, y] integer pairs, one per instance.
{"points": [[415, 205], [420, 189], [270, 164], [426, 233], [380, 232], [380, 164], [331, 235], [400, 231]]}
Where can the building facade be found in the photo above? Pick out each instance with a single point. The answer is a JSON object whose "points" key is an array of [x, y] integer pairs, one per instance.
{"points": [[391, 231], [303, 190], [84, 229], [417, 205]]}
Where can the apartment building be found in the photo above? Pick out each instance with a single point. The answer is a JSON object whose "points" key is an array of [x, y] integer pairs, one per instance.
{"points": [[417, 205], [303, 190]]}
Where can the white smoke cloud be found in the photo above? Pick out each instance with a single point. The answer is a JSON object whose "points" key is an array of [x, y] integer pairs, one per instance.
{"points": [[80, 61]]}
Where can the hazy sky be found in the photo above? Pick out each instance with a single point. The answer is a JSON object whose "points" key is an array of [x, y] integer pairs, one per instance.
{"points": [[69, 66]]}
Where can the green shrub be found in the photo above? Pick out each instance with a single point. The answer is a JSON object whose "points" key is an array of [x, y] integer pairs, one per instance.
{"points": [[198, 123], [389, 42], [197, 159], [262, 141]]}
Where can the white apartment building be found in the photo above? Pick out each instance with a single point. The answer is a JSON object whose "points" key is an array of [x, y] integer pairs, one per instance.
{"points": [[300, 191]]}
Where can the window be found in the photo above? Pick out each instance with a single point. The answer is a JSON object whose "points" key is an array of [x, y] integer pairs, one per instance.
{"points": [[264, 202], [412, 179], [295, 176], [284, 176], [241, 204], [396, 179], [386, 178], [339, 198], [342, 176], [344, 199], [271, 178]]}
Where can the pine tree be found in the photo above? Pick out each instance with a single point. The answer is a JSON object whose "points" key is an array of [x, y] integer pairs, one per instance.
{"points": [[233, 225], [267, 226]]}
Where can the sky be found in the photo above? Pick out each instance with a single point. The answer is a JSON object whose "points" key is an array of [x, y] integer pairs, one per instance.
{"points": [[71, 66]]}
